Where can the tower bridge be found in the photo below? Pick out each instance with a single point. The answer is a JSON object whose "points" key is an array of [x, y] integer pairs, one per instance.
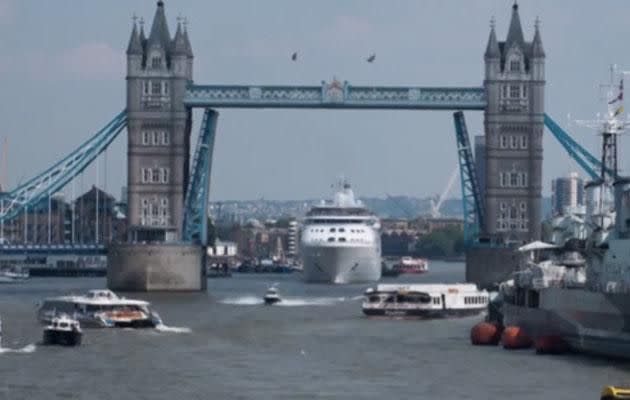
{"points": [[167, 200]]}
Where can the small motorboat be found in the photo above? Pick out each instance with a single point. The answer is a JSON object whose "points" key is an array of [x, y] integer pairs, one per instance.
{"points": [[272, 297], [63, 330], [14, 274]]}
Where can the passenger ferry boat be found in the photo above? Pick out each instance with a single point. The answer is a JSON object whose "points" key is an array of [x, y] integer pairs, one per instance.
{"points": [[410, 265], [64, 331], [425, 300], [100, 309], [340, 241]]}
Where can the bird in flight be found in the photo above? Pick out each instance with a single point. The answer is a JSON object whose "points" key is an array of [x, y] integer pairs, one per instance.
{"points": [[371, 58], [294, 56]]}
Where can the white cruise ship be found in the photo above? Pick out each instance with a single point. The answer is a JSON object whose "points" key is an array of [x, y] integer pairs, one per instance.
{"points": [[340, 241]]}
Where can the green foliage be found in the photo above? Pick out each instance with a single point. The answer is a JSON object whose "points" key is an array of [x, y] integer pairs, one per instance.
{"points": [[447, 242]]}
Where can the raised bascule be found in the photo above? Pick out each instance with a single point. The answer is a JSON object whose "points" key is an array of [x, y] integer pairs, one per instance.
{"points": [[168, 197]]}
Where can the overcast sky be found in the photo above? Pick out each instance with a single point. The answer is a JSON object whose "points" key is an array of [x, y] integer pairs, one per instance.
{"points": [[62, 67]]}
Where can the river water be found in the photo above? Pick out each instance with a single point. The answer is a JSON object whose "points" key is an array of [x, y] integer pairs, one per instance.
{"points": [[224, 344]]}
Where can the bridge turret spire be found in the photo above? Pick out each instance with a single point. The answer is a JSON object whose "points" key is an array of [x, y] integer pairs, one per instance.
{"points": [[537, 46], [492, 49], [135, 44], [179, 42], [159, 35], [187, 40], [515, 32], [143, 38]]}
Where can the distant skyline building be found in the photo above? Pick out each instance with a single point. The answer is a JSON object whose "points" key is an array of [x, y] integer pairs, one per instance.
{"points": [[566, 192]]}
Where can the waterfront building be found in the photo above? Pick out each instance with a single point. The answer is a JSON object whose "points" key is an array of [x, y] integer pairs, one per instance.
{"points": [[223, 248], [567, 193], [94, 217], [48, 223]]}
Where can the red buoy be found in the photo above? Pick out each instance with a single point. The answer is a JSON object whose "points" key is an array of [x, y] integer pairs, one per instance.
{"points": [[551, 344], [514, 337], [485, 333]]}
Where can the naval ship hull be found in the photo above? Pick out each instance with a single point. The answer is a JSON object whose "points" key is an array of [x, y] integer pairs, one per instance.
{"points": [[590, 322], [341, 264]]}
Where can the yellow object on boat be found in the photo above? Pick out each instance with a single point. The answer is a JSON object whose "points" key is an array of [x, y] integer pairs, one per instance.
{"points": [[615, 392]]}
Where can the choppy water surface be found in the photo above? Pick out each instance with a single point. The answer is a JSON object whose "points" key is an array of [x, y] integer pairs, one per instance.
{"points": [[224, 344]]}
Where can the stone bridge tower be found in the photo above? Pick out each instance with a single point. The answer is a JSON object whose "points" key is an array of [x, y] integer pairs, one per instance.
{"points": [[158, 70], [515, 86]]}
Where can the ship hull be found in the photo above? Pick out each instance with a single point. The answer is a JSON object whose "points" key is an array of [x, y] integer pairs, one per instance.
{"points": [[590, 322], [341, 264]]}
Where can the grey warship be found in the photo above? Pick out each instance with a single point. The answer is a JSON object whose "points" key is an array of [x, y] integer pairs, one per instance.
{"points": [[577, 287]]}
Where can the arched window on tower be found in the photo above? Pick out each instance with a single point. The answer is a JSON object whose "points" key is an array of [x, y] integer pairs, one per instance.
{"points": [[156, 62], [524, 142]]}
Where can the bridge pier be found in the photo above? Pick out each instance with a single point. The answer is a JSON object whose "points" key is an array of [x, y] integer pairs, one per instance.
{"points": [[156, 267]]}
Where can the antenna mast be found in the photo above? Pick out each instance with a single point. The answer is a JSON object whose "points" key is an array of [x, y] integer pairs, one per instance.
{"points": [[610, 125]]}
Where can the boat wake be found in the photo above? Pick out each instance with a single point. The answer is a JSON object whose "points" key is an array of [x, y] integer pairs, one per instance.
{"points": [[172, 329], [288, 301], [30, 348], [243, 301]]}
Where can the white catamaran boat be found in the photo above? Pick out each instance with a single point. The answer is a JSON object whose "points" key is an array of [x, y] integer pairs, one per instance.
{"points": [[100, 309], [425, 300], [340, 241]]}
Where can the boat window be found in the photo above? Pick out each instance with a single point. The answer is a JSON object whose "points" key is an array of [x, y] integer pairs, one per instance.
{"points": [[342, 239], [390, 299], [333, 229], [63, 325], [342, 230], [374, 299], [331, 239]]}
